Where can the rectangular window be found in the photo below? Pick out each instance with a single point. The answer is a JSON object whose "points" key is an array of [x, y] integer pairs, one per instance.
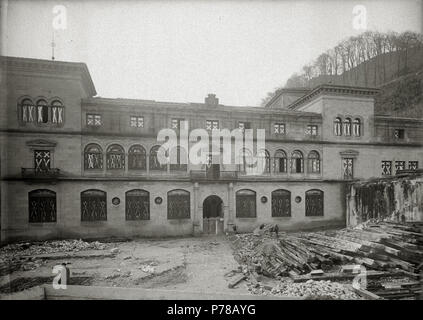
{"points": [[347, 167], [399, 133], [137, 122], [311, 130], [399, 165], [413, 165], [93, 120], [242, 125], [386, 168], [212, 124], [279, 128], [176, 123], [42, 160]]}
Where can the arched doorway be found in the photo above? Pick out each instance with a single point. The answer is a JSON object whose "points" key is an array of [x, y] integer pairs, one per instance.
{"points": [[213, 215]]}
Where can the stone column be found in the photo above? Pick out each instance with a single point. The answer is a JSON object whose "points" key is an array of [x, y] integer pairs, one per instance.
{"points": [[196, 220], [231, 207]]}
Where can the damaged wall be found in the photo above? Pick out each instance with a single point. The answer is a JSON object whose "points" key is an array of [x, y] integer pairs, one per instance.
{"points": [[394, 197]]}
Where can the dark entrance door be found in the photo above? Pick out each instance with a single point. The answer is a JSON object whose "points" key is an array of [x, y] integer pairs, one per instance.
{"points": [[213, 215]]}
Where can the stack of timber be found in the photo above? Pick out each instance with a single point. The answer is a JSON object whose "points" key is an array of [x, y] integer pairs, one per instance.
{"points": [[381, 245]]}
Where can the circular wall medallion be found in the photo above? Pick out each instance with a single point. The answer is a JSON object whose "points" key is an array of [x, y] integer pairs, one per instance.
{"points": [[158, 200], [263, 199], [116, 201], [297, 199]]}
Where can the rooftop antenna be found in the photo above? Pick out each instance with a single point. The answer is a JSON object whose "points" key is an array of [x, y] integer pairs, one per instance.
{"points": [[53, 44]]}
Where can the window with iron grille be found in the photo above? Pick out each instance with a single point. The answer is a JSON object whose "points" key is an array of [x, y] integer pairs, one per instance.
{"points": [[27, 111], [297, 162], [311, 130], [399, 165], [178, 159], [154, 163], [42, 160], [386, 168], [313, 162], [137, 122], [357, 127], [314, 203], [42, 206], [115, 157], [246, 204], [42, 111], [242, 125], [178, 204], [337, 127], [279, 128], [137, 159], [137, 205], [281, 203], [280, 161], [93, 205], [347, 126], [176, 124], [413, 165], [93, 120], [57, 112], [348, 168], [212, 124]]}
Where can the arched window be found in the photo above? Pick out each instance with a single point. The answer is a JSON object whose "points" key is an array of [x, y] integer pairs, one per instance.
{"points": [[357, 127], [93, 205], [280, 161], [93, 157], [27, 110], [57, 112], [178, 204], [115, 157], [137, 205], [154, 161], [314, 203], [178, 159], [246, 204], [281, 203], [245, 160], [313, 162], [337, 130], [263, 165], [42, 206], [42, 111], [297, 162], [347, 126], [137, 159]]}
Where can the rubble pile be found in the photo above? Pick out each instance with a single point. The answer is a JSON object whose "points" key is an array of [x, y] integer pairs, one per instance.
{"points": [[379, 245], [22, 256]]}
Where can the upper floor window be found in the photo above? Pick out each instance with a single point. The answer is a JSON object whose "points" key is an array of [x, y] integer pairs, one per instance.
{"points": [[137, 158], [42, 160], [242, 125], [177, 123], [347, 126], [212, 124], [93, 120], [399, 133], [297, 162], [279, 128], [115, 157], [386, 168], [93, 157], [399, 165], [27, 111], [337, 129], [413, 165], [154, 161], [311, 130], [57, 112], [347, 168], [42, 111], [137, 122], [357, 127], [314, 162], [178, 159], [263, 162], [245, 160], [280, 161]]}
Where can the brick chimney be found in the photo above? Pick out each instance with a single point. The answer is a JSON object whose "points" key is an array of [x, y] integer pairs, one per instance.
{"points": [[211, 100]]}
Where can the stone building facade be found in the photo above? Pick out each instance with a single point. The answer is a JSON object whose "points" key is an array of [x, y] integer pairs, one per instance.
{"points": [[76, 165]]}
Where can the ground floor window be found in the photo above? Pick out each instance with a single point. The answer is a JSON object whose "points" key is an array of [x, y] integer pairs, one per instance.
{"points": [[178, 204], [314, 203], [281, 203], [246, 204], [93, 205], [137, 206], [42, 206]]}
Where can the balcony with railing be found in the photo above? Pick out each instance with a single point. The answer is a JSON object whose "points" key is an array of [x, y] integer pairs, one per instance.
{"points": [[47, 174]]}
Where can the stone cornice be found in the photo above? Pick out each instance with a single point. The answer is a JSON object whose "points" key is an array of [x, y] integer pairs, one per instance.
{"points": [[39, 66], [327, 89]]}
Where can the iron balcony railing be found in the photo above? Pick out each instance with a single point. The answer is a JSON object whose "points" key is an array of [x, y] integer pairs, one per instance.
{"points": [[40, 174], [207, 175]]}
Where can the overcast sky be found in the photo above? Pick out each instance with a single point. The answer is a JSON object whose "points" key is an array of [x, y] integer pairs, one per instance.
{"points": [[180, 51]]}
